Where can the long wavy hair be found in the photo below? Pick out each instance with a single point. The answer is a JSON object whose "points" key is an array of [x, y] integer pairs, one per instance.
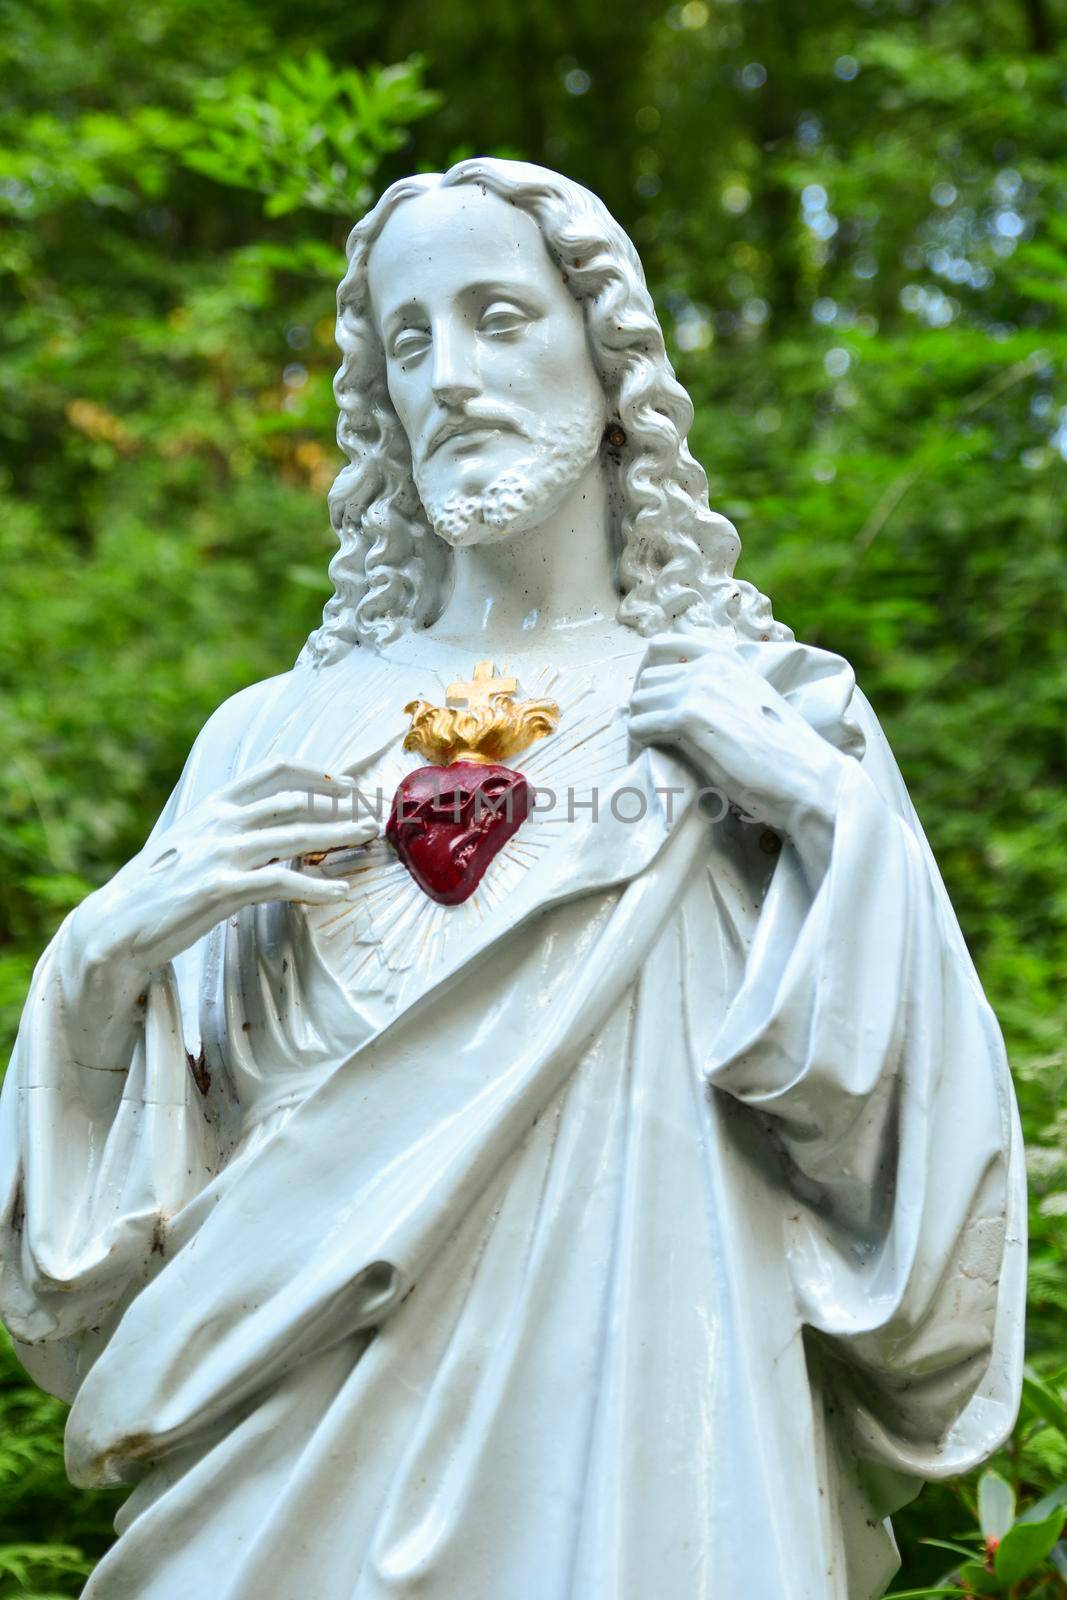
{"points": [[675, 556]]}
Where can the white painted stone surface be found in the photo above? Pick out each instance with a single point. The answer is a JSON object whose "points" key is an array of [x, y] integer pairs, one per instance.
{"points": [[649, 1225]]}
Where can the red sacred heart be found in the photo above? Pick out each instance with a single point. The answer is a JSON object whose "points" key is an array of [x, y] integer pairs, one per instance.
{"points": [[447, 824]]}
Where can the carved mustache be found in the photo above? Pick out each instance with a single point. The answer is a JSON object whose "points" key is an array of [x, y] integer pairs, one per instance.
{"points": [[466, 422]]}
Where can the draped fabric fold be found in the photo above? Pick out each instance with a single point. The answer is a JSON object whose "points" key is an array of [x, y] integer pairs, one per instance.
{"points": [[655, 1236], [861, 1034]]}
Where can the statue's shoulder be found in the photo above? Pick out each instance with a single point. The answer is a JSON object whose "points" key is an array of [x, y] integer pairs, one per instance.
{"points": [[229, 724], [249, 719], [818, 683], [218, 750]]}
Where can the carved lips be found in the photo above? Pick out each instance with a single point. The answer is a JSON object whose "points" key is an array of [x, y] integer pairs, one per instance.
{"points": [[448, 823]]}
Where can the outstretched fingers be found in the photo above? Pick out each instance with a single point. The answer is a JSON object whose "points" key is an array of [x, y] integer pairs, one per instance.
{"points": [[263, 845], [293, 806], [284, 883], [269, 782]]}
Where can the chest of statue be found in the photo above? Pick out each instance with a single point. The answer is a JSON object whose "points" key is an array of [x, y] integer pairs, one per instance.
{"points": [[314, 981], [471, 779]]}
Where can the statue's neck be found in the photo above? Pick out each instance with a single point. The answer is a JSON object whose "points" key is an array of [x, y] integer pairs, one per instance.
{"points": [[553, 582]]}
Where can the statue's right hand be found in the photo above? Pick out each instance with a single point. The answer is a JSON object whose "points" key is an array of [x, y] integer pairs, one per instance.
{"points": [[230, 851]]}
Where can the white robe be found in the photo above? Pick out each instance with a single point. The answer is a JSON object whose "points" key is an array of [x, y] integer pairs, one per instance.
{"points": [[644, 1229]]}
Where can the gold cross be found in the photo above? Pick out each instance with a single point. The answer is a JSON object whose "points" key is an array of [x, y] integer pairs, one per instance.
{"points": [[479, 692]]}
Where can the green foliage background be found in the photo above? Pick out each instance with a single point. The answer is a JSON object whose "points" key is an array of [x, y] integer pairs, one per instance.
{"points": [[853, 214]]}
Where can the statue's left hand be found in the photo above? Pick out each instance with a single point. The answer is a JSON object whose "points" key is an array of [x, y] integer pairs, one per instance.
{"points": [[702, 698]]}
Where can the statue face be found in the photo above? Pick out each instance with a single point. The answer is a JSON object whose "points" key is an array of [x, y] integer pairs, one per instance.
{"points": [[487, 361]]}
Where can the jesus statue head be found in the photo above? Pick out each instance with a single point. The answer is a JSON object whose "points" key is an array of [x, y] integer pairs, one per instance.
{"points": [[503, 369]]}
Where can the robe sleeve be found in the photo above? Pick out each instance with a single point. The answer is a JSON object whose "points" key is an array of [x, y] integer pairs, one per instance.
{"points": [[861, 1037], [95, 1159]]}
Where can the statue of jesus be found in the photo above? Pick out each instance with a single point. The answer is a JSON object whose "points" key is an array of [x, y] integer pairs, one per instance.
{"points": [[616, 1196]]}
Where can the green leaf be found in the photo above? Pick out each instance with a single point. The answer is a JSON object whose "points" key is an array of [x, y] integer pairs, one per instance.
{"points": [[957, 1549], [1024, 1547], [978, 1579], [303, 134], [996, 1504], [1048, 1503], [1041, 1399], [925, 1594]]}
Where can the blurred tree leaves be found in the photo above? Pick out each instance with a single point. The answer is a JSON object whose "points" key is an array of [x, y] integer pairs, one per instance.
{"points": [[854, 220], [305, 134]]}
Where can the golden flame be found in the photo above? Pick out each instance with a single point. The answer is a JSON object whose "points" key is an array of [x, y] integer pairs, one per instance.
{"points": [[490, 727]]}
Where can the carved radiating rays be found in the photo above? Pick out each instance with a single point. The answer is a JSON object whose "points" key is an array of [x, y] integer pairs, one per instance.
{"points": [[392, 936]]}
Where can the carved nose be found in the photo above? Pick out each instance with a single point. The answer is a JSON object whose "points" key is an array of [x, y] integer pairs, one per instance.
{"points": [[455, 378], [450, 390]]}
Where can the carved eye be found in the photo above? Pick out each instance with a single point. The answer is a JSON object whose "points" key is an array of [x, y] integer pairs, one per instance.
{"points": [[409, 343], [502, 318]]}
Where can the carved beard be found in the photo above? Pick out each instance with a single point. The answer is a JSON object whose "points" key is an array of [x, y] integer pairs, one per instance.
{"points": [[523, 495]]}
